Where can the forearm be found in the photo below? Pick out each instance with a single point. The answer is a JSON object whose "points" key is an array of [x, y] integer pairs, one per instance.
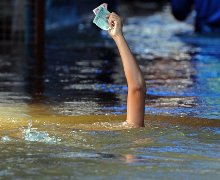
{"points": [[132, 71], [134, 77], [136, 84]]}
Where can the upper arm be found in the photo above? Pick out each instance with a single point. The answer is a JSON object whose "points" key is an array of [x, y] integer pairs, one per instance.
{"points": [[181, 8], [135, 107]]}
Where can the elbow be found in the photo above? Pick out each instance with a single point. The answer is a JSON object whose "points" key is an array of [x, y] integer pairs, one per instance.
{"points": [[139, 87]]}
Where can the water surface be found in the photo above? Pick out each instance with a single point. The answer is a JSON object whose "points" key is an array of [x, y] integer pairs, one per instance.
{"points": [[61, 116]]}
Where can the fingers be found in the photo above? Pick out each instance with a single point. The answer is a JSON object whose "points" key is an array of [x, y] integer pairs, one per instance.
{"points": [[113, 19], [108, 16]]}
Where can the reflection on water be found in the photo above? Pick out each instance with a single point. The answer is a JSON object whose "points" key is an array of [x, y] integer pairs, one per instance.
{"points": [[181, 71], [41, 136]]}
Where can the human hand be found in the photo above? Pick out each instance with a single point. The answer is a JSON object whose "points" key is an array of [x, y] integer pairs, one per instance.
{"points": [[115, 24]]}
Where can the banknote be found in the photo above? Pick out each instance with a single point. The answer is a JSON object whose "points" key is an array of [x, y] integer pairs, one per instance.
{"points": [[96, 10], [100, 19]]}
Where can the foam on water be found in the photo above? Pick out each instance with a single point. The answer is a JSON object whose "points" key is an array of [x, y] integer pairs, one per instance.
{"points": [[31, 134], [5, 139]]}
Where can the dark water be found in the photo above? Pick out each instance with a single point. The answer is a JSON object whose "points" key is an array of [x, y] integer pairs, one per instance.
{"points": [[61, 115]]}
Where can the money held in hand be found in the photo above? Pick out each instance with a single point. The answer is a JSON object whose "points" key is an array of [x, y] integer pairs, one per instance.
{"points": [[100, 19], [96, 10]]}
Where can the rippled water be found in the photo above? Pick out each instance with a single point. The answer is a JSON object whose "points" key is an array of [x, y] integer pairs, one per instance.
{"points": [[97, 150], [61, 117]]}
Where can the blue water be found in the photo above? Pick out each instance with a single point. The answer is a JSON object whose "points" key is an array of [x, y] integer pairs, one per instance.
{"points": [[181, 69]]}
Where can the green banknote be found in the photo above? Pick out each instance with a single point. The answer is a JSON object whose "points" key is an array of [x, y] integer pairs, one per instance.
{"points": [[100, 19]]}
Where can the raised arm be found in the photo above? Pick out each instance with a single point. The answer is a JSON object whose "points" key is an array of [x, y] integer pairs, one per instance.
{"points": [[134, 77]]}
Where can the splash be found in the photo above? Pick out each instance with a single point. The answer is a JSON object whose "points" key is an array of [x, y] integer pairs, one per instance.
{"points": [[5, 139], [31, 134]]}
